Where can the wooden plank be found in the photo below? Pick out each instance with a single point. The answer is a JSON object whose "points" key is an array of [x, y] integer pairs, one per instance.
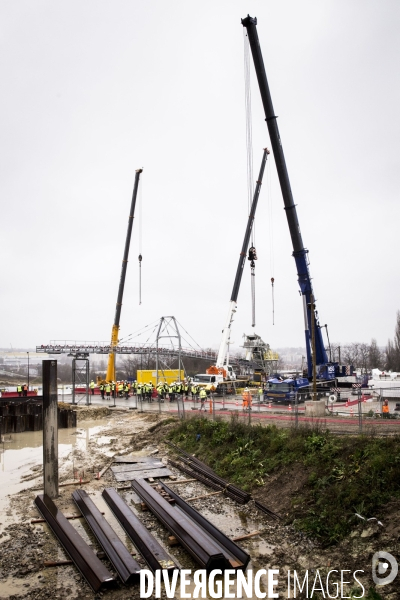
{"points": [[137, 467], [245, 537], [135, 459], [180, 481], [145, 474]]}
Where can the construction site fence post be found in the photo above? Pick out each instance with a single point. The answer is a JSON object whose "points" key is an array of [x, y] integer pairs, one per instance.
{"points": [[183, 406], [296, 410], [213, 406]]}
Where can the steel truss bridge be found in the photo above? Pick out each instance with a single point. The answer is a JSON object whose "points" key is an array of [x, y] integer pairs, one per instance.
{"points": [[167, 328], [87, 349]]}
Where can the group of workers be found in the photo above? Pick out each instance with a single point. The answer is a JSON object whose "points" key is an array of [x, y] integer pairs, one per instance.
{"points": [[148, 391], [22, 389], [164, 391]]}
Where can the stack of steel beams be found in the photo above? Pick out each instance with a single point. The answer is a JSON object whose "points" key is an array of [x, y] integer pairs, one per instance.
{"points": [[206, 475], [202, 542]]}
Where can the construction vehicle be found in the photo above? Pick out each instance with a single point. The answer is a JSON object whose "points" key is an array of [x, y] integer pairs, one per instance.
{"points": [[285, 390], [111, 376], [317, 358], [222, 371]]}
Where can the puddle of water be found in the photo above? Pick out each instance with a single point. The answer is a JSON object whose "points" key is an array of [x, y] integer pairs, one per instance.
{"points": [[21, 455]]}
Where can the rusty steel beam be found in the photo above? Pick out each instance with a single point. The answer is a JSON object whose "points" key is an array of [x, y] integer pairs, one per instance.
{"points": [[95, 573], [266, 510], [238, 558], [153, 553], [126, 566], [207, 482], [205, 550]]}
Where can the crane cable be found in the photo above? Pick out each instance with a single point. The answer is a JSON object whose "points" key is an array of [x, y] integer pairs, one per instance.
{"points": [[273, 301], [271, 237], [250, 181], [140, 242]]}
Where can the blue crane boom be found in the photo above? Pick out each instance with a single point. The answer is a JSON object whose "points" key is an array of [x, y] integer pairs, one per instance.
{"points": [[325, 370]]}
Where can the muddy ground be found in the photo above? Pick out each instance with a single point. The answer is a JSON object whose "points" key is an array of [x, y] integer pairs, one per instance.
{"points": [[24, 547]]}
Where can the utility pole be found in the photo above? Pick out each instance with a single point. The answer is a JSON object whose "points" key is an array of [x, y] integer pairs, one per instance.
{"points": [[314, 364]]}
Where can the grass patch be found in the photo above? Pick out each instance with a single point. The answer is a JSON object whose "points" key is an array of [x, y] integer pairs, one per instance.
{"points": [[345, 474]]}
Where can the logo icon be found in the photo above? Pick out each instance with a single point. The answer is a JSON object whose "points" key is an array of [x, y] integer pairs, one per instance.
{"points": [[381, 561]]}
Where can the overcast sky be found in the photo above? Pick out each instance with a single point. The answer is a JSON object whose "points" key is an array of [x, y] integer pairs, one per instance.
{"points": [[93, 90]]}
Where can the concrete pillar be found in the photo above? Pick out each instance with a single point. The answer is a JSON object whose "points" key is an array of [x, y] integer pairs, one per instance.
{"points": [[50, 428], [315, 408]]}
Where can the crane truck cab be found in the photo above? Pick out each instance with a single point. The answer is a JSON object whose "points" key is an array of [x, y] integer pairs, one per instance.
{"points": [[284, 390], [214, 383]]}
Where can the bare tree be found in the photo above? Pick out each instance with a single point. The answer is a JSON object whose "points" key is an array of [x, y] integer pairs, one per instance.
{"points": [[351, 354], [392, 362], [375, 358], [363, 357]]}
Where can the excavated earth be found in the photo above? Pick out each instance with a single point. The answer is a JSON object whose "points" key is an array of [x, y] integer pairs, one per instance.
{"points": [[24, 546]]}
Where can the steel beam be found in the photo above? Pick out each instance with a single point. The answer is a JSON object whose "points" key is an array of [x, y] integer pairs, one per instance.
{"points": [[152, 552], [266, 510], [92, 569], [238, 558], [50, 428], [205, 551], [126, 566]]}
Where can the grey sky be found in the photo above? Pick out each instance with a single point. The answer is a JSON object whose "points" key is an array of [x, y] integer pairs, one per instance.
{"points": [[94, 90]]}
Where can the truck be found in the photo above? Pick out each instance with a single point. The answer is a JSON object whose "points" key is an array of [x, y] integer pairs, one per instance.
{"points": [[214, 383], [284, 391]]}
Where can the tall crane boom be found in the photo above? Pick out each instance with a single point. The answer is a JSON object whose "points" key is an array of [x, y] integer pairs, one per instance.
{"points": [[299, 251], [226, 333], [115, 328]]}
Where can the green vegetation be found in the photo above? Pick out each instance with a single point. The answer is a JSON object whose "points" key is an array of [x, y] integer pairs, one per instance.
{"points": [[343, 475]]}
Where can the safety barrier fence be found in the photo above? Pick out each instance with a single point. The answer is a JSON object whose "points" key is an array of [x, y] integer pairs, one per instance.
{"points": [[354, 414]]}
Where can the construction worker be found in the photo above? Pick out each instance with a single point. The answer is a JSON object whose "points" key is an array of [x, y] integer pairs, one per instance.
{"points": [[139, 390], [120, 389], [385, 410], [113, 389], [195, 390], [108, 389], [203, 398], [246, 398], [101, 388], [160, 390], [171, 392], [25, 390], [260, 394], [185, 389], [19, 390], [92, 386], [126, 390]]}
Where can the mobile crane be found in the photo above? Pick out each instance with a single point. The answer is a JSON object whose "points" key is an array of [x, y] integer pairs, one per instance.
{"points": [[219, 372], [111, 376], [325, 370]]}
